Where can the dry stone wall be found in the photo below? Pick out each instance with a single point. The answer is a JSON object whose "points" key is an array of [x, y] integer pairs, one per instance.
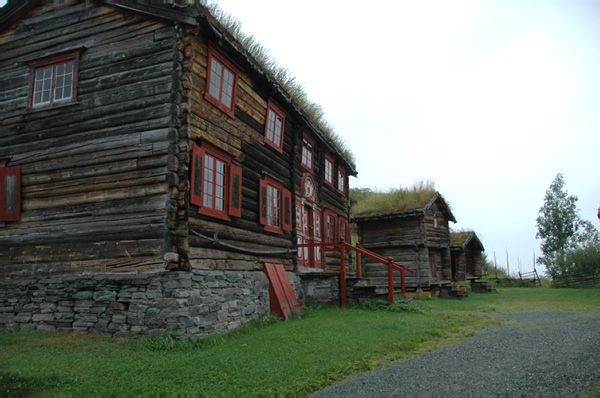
{"points": [[193, 303]]}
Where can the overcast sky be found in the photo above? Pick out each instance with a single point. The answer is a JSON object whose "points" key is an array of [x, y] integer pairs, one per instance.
{"points": [[489, 99]]}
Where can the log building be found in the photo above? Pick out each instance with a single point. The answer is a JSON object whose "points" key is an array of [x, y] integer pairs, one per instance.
{"points": [[466, 249], [136, 137], [418, 237]]}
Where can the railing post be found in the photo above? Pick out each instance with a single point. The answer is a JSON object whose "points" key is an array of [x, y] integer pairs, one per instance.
{"points": [[358, 273], [390, 281], [343, 270]]}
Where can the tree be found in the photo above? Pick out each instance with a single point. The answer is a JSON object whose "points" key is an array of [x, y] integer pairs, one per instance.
{"points": [[570, 245], [558, 225]]}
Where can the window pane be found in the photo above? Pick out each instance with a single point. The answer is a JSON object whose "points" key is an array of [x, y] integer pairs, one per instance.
{"points": [[227, 88], [220, 185], [278, 130], [42, 85], [215, 78], [208, 181], [270, 125]]}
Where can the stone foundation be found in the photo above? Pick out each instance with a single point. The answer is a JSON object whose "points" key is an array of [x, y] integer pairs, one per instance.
{"points": [[193, 303]]}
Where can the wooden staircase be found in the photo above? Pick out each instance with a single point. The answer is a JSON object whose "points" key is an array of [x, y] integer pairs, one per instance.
{"points": [[452, 291], [478, 286]]}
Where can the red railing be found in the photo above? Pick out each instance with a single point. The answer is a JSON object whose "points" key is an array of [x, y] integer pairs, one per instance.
{"points": [[342, 246]]}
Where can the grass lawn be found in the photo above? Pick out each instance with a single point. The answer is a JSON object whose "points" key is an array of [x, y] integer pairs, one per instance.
{"points": [[299, 355]]}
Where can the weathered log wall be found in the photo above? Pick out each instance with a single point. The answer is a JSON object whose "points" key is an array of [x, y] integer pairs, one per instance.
{"points": [[242, 137], [94, 171]]}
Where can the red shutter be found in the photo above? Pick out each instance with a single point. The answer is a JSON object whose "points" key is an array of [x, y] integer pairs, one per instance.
{"points": [[196, 183], [235, 190], [10, 194], [262, 208], [287, 210]]}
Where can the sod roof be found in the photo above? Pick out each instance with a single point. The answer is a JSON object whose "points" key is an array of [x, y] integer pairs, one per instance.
{"points": [[398, 202]]}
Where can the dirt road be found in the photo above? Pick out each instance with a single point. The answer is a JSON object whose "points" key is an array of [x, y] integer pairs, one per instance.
{"points": [[535, 353]]}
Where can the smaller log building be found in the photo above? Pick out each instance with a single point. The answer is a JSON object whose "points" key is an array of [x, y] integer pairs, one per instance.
{"points": [[418, 237], [465, 251]]}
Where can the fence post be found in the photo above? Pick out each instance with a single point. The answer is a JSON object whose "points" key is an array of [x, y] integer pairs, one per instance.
{"points": [[390, 281], [343, 271], [358, 273]]}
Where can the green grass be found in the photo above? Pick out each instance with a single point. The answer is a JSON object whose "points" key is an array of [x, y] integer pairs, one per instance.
{"points": [[299, 355], [520, 300]]}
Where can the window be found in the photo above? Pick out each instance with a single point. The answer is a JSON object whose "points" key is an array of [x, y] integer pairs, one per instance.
{"points": [[307, 153], [274, 126], [329, 170], [216, 183], [221, 83], [341, 180], [54, 80], [330, 226], [343, 228], [10, 192], [275, 206]]}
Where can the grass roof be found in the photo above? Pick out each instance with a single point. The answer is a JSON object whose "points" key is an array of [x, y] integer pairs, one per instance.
{"points": [[283, 76], [397, 200], [458, 238]]}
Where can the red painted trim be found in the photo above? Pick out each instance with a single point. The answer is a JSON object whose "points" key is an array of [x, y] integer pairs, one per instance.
{"points": [[229, 65], [329, 158], [14, 215], [287, 200], [54, 61], [272, 106], [311, 141], [235, 170]]}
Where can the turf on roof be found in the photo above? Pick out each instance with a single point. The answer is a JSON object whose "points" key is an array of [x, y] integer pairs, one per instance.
{"points": [[394, 201]]}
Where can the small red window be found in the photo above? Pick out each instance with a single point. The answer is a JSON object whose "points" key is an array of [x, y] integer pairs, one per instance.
{"points": [[54, 80], [221, 83], [274, 126], [275, 211], [307, 153], [330, 232]]}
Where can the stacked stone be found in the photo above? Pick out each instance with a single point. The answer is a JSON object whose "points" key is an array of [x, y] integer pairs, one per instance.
{"points": [[193, 303]]}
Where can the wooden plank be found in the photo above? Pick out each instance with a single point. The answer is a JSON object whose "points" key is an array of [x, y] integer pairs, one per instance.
{"points": [[279, 304]]}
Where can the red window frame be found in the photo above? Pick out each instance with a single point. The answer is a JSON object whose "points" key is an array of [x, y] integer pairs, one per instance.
{"points": [[343, 231], [308, 153], [341, 185], [51, 67], [13, 214], [328, 178], [275, 118], [217, 191], [275, 208], [216, 83], [330, 226]]}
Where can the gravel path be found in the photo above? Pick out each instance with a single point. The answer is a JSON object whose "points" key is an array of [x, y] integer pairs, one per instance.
{"points": [[535, 353]]}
